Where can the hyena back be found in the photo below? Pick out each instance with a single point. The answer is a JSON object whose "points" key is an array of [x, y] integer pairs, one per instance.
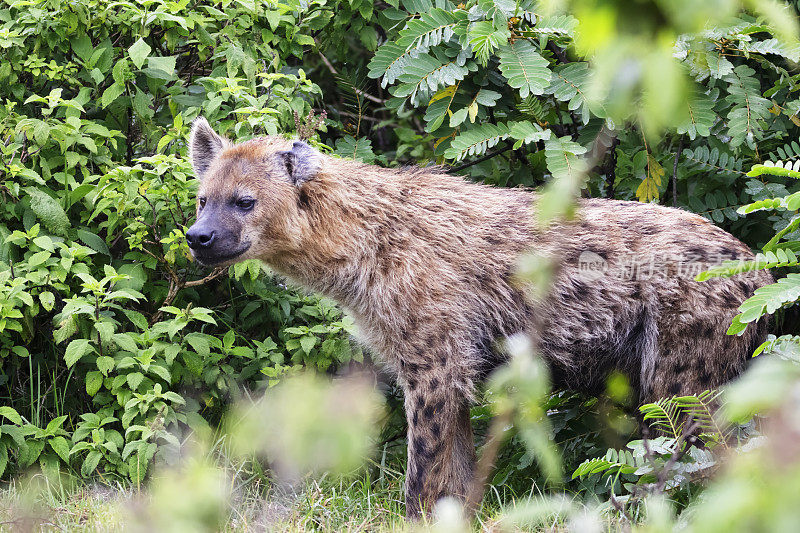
{"points": [[425, 262]]}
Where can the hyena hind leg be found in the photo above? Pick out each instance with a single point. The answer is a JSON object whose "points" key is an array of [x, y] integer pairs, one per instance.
{"points": [[702, 357]]}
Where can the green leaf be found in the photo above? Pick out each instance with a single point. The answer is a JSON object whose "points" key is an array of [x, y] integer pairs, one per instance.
{"points": [[524, 68], [352, 148], [563, 160], [48, 211], [61, 446], [556, 25], [94, 380], [48, 300], [125, 341], [76, 349], [38, 258], [485, 39], [768, 299], [162, 64], [749, 109], [3, 458], [11, 414], [476, 141], [105, 364], [29, 453], [430, 29], [308, 342], [199, 343], [93, 241], [134, 380], [138, 52], [389, 62], [82, 46], [174, 397], [568, 84], [142, 105], [527, 132], [112, 93], [701, 117], [90, 463], [425, 74], [161, 372]]}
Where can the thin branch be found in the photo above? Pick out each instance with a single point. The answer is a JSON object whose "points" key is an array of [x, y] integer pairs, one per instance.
{"points": [[485, 465], [217, 272], [175, 286], [675, 173], [480, 159]]}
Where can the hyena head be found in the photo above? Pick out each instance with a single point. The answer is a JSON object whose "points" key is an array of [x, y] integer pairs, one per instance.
{"points": [[248, 201]]}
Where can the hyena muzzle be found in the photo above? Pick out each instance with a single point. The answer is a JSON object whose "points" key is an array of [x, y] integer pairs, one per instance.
{"points": [[425, 262]]}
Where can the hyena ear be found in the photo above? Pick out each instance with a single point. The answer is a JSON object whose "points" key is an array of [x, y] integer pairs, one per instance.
{"points": [[301, 163], [204, 146]]}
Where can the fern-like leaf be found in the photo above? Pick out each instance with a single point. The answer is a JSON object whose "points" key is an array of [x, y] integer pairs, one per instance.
{"points": [[773, 46], [568, 84], [389, 62], [562, 25], [562, 158], [788, 169], [787, 151], [526, 132], [476, 141], [524, 68], [353, 148], [701, 117], [701, 408], [614, 462], [430, 29], [423, 75], [749, 110], [485, 39], [785, 346], [713, 160], [766, 300], [532, 107], [781, 257], [664, 415]]}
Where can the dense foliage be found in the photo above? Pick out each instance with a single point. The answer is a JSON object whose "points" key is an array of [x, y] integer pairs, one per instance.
{"points": [[114, 345]]}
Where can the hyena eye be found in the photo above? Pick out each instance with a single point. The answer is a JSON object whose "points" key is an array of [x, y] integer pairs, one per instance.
{"points": [[202, 202], [245, 204]]}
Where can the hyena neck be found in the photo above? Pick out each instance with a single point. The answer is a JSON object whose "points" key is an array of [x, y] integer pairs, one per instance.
{"points": [[348, 211]]}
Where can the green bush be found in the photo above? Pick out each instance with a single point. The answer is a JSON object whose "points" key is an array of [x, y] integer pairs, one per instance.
{"points": [[113, 343]]}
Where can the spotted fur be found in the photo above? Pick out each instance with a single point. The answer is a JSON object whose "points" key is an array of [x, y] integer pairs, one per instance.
{"points": [[425, 262]]}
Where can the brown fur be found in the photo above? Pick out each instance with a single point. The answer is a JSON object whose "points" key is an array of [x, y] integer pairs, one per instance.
{"points": [[424, 262]]}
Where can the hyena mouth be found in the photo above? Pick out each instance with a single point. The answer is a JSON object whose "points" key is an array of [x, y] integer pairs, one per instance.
{"points": [[212, 258]]}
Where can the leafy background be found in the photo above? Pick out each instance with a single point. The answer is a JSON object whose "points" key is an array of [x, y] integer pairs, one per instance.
{"points": [[116, 347]]}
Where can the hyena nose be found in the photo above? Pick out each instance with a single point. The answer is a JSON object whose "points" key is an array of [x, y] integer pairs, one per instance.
{"points": [[199, 238]]}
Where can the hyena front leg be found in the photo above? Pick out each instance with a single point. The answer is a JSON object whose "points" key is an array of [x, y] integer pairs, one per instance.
{"points": [[441, 452]]}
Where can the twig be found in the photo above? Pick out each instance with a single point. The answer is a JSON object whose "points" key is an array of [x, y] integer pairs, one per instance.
{"points": [[359, 91], [353, 115], [480, 159], [621, 510], [485, 465], [175, 286], [676, 456], [675, 173], [217, 272]]}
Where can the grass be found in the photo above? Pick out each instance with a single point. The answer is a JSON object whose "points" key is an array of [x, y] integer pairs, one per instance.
{"points": [[207, 497]]}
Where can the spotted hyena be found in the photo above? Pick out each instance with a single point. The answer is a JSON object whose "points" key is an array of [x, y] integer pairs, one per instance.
{"points": [[425, 263]]}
